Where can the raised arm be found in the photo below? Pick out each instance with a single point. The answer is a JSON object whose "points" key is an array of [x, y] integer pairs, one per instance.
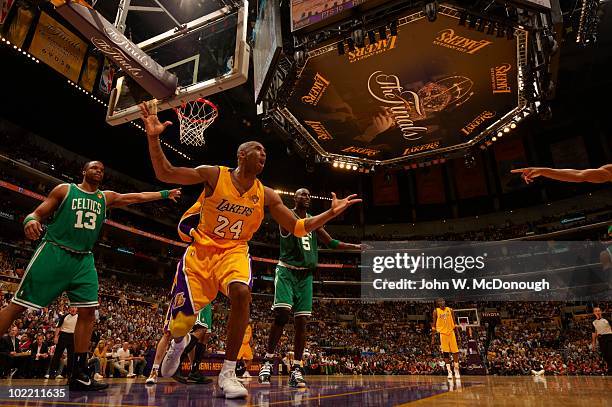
{"points": [[164, 171], [31, 224], [435, 320], [115, 200], [594, 175], [287, 220], [328, 241]]}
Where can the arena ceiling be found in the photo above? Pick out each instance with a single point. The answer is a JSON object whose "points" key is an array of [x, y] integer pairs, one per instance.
{"points": [[77, 123]]}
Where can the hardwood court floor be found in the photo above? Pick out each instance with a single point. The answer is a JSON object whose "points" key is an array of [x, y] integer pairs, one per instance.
{"points": [[340, 391]]}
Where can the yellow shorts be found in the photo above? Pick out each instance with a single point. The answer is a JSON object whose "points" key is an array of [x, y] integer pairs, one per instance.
{"points": [[245, 352], [448, 343], [203, 272]]}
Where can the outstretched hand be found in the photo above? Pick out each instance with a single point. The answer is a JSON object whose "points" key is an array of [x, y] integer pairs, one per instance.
{"points": [[528, 174], [174, 194], [33, 230], [339, 205], [153, 126]]}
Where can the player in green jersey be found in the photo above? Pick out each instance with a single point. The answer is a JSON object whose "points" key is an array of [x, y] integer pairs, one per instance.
{"points": [[293, 288], [64, 262]]}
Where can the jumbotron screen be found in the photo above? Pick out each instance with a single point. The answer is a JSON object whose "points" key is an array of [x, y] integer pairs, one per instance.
{"points": [[434, 85], [308, 12]]}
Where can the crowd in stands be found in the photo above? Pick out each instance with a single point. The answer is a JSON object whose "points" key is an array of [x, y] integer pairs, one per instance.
{"points": [[347, 337]]}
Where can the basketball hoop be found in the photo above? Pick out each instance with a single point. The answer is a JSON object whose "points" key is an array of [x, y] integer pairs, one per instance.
{"points": [[194, 118]]}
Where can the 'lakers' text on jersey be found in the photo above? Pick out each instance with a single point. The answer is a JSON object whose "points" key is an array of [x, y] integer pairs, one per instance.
{"points": [[444, 323], [227, 218]]}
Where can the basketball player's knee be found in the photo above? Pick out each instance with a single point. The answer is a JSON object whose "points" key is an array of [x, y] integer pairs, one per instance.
{"points": [[281, 316], [447, 355], [181, 324], [301, 320], [199, 332], [240, 294], [87, 314]]}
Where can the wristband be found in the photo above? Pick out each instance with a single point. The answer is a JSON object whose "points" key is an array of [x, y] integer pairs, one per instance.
{"points": [[29, 219], [333, 244], [165, 194], [300, 228]]}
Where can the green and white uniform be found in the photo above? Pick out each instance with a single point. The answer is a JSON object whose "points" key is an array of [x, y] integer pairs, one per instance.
{"points": [[293, 280], [204, 318], [63, 261]]}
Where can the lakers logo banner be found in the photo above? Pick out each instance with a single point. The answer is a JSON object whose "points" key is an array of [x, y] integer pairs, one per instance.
{"points": [[432, 86]]}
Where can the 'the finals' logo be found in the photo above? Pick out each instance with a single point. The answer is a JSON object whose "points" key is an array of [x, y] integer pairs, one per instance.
{"points": [[317, 90], [499, 79], [447, 38]]}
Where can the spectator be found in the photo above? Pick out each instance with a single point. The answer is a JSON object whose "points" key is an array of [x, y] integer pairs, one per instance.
{"points": [[39, 357], [9, 347]]}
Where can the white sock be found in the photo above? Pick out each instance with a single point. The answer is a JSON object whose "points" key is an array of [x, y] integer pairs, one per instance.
{"points": [[448, 367], [269, 355], [457, 366], [229, 367], [155, 366]]}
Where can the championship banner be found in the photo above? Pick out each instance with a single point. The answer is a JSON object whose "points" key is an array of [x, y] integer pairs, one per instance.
{"points": [[89, 73], [5, 8], [470, 182], [57, 47], [430, 185], [434, 85], [20, 25], [386, 191], [106, 78], [510, 154], [134, 62]]}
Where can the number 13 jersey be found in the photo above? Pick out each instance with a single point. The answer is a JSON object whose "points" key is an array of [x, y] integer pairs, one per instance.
{"points": [[76, 223]]}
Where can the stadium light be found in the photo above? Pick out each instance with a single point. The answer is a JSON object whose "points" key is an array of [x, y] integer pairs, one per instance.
{"points": [[431, 10], [372, 37], [382, 32], [393, 28], [341, 48]]}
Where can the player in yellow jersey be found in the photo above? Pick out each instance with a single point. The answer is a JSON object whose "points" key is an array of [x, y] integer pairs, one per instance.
{"points": [[232, 209], [444, 324]]}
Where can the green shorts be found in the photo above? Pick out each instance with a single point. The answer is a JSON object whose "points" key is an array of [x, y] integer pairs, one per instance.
{"points": [[204, 319], [54, 270], [293, 290]]}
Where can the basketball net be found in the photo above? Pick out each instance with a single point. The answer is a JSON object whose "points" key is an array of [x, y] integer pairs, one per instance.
{"points": [[194, 118], [463, 326]]}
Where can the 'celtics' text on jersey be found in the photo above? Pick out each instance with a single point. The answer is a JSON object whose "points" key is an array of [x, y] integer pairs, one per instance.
{"points": [[77, 222]]}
